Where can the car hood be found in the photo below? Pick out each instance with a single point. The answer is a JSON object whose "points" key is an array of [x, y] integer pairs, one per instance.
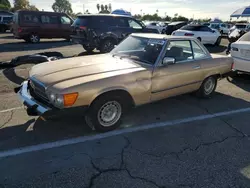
{"points": [[93, 66]]}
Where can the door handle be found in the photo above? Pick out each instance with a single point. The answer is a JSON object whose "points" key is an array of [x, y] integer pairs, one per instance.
{"points": [[196, 67]]}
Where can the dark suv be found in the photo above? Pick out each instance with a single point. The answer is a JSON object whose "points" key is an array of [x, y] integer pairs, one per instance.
{"points": [[103, 32]]}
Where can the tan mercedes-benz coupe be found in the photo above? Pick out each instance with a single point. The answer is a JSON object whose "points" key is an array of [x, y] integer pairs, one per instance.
{"points": [[142, 69]]}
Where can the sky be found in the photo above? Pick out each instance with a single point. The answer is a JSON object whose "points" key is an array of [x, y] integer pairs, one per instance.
{"points": [[188, 8]]}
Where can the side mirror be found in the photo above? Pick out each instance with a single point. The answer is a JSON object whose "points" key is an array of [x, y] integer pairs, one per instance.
{"points": [[168, 61]]}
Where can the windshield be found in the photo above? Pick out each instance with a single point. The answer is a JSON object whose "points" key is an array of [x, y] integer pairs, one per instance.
{"points": [[144, 50]]}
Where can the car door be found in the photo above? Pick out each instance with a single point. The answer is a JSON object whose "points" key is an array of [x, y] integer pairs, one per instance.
{"points": [[181, 77], [50, 26], [208, 36], [65, 25]]}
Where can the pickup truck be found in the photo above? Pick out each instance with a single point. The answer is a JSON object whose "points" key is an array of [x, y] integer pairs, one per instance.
{"points": [[142, 69]]}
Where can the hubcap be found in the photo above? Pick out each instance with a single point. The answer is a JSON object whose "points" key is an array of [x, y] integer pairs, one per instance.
{"points": [[34, 38], [109, 113], [108, 46], [209, 86]]}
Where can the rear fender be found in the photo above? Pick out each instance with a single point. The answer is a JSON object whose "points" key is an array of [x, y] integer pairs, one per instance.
{"points": [[109, 35]]}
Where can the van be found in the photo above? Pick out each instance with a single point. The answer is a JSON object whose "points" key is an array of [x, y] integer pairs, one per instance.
{"points": [[34, 25]]}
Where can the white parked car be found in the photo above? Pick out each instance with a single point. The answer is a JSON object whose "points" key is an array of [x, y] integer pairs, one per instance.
{"points": [[155, 25], [240, 51], [221, 27], [240, 26], [203, 33]]}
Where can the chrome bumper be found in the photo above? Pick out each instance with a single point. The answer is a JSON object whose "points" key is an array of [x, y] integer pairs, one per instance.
{"points": [[33, 107]]}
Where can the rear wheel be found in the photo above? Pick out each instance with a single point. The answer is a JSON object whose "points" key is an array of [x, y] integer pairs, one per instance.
{"points": [[107, 45], [207, 87], [105, 113], [34, 38]]}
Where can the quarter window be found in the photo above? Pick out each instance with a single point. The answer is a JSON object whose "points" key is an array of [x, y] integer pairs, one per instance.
{"points": [[198, 51], [179, 50], [49, 19]]}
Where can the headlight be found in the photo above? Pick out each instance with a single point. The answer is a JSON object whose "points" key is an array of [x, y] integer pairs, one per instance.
{"points": [[62, 100]]}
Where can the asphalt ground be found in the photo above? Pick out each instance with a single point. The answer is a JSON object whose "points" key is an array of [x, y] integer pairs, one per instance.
{"points": [[178, 142]]}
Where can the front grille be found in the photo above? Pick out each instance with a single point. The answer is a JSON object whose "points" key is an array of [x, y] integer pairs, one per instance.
{"points": [[37, 90]]}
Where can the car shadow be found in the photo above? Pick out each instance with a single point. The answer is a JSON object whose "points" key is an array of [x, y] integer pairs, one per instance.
{"points": [[23, 46], [11, 75], [241, 80], [216, 49], [72, 125], [6, 37]]}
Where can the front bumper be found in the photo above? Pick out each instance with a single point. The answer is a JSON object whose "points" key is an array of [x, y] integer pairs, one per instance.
{"points": [[34, 108]]}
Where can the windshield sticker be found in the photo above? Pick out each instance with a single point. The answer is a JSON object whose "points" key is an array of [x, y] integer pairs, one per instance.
{"points": [[156, 41]]}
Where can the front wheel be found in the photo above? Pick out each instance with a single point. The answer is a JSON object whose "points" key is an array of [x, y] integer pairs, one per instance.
{"points": [[207, 87], [105, 113], [88, 49], [107, 45]]}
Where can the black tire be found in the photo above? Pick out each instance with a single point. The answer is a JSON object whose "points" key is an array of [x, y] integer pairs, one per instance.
{"points": [[95, 117], [34, 38], [218, 41], [107, 45], [204, 91], [199, 39], [88, 49], [221, 32]]}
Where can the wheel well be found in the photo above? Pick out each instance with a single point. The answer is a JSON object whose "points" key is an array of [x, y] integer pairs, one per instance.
{"points": [[218, 76], [119, 92]]}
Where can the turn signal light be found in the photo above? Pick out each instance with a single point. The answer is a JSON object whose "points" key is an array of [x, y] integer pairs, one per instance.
{"points": [[83, 27], [70, 99]]}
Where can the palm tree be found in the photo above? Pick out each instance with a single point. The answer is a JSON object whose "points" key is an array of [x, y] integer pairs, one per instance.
{"points": [[106, 7], [102, 7], [98, 7], [110, 7]]}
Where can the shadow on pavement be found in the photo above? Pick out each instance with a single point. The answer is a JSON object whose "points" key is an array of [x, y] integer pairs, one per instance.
{"points": [[11, 75], [241, 80], [216, 49], [23, 46], [72, 125], [7, 37]]}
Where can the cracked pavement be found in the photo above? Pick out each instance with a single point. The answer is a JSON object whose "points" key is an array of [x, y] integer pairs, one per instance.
{"points": [[211, 153]]}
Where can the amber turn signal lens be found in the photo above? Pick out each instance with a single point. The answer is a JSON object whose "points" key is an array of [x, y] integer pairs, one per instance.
{"points": [[70, 99]]}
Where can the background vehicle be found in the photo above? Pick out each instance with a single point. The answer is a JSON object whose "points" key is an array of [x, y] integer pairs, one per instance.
{"points": [[239, 26], [223, 28], [203, 33], [156, 25], [105, 31], [5, 22], [140, 70], [174, 26], [34, 25], [240, 51]]}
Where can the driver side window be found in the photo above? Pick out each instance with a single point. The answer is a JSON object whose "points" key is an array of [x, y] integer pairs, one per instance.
{"points": [[133, 24], [181, 51]]}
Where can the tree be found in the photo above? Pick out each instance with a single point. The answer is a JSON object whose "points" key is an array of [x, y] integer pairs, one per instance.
{"points": [[98, 7], [102, 7], [106, 7], [23, 5], [110, 7], [5, 4], [180, 18], [62, 6]]}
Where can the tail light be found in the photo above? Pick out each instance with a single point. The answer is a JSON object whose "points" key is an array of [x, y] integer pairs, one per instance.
{"points": [[20, 30], [83, 27], [232, 67], [189, 34]]}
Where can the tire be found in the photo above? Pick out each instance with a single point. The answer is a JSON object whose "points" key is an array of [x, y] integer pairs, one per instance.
{"points": [[208, 87], [218, 41], [107, 45], [221, 32], [199, 39], [105, 113], [34, 38], [88, 49]]}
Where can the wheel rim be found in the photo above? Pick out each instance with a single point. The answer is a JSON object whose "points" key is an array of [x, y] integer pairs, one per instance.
{"points": [[209, 86], [108, 46], [34, 38], [109, 113]]}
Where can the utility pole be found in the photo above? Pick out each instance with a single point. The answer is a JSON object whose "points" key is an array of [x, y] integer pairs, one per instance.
{"points": [[83, 9]]}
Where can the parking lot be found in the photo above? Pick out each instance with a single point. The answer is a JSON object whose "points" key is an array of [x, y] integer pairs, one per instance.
{"points": [[179, 142]]}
